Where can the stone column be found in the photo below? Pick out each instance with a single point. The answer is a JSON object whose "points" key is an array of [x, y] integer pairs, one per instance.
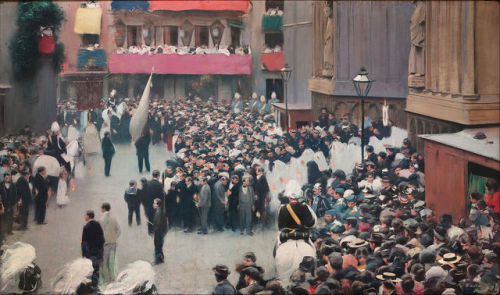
{"points": [[105, 87], [131, 84]]}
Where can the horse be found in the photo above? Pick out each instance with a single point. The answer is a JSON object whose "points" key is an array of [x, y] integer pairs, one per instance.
{"points": [[289, 255], [54, 169], [19, 273]]}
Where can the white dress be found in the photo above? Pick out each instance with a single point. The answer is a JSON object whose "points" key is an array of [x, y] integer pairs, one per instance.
{"points": [[62, 193]]}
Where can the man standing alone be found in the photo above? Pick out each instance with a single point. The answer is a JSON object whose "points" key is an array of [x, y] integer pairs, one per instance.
{"points": [[108, 150], [160, 230], [9, 197], [154, 191], [204, 205], [142, 150], [23, 188], [41, 188], [219, 202], [111, 230], [133, 203], [93, 243]]}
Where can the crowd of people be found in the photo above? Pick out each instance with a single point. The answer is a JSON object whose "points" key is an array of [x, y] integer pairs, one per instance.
{"points": [[370, 227], [374, 233], [183, 50]]}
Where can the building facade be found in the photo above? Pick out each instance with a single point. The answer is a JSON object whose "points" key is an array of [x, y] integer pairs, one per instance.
{"points": [[349, 35], [196, 47], [454, 77]]}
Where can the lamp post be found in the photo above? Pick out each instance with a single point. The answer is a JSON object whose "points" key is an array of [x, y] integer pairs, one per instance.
{"points": [[362, 84], [285, 73]]}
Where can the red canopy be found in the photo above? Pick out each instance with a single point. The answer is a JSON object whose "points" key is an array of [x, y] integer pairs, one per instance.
{"points": [[181, 5]]}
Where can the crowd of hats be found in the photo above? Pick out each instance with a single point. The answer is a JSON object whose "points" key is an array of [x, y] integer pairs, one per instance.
{"points": [[393, 243]]}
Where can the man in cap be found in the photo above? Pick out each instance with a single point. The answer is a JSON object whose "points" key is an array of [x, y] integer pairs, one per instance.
{"points": [[219, 201], [154, 190], [339, 204], [223, 286], [320, 202], [133, 202], [159, 229], [142, 150], [252, 277], [352, 210], [205, 200], [108, 151], [246, 201], [370, 155]]}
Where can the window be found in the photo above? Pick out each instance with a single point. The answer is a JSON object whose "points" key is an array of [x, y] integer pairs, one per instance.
{"points": [[273, 4], [273, 39], [159, 36], [171, 34], [274, 85], [201, 35], [90, 39], [235, 36], [134, 36]]}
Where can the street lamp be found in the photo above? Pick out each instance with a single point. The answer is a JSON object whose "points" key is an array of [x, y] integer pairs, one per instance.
{"points": [[285, 73], [362, 84]]}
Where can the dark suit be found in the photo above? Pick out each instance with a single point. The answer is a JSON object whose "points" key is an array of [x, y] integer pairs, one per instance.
{"points": [[142, 151], [9, 199], [41, 185], [160, 230], [23, 189], [108, 150], [93, 246], [154, 190]]}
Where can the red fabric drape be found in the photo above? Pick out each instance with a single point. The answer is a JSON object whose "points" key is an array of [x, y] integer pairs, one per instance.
{"points": [[182, 5]]}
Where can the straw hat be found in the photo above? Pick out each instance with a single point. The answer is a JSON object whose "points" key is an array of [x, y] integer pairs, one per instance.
{"points": [[449, 258], [388, 276]]}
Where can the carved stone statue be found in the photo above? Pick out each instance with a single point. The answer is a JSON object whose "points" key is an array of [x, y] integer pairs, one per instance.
{"points": [[328, 57], [417, 39]]}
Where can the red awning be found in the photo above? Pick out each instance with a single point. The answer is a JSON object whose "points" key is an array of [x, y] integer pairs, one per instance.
{"points": [[273, 61], [209, 64], [182, 5]]}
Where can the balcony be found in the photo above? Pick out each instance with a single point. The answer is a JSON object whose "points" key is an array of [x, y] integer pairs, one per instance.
{"points": [[91, 60], [273, 61], [272, 22], [186, 64], [129, 5], [203, 5]]}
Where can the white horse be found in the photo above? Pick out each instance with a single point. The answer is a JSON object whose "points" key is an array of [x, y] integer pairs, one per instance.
{"points": [[289, 255], [52, 165]]}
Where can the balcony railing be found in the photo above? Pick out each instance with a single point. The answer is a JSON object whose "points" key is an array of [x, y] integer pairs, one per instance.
{"points": [[91, 60], [182, 5], [196, 64]]}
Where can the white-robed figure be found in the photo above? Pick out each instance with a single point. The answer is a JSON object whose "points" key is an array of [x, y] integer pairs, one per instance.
{"points": [[62, 190], [263, 106], [296, 220], [111, 100], [252, 103], [274, 99], [237, 104]]}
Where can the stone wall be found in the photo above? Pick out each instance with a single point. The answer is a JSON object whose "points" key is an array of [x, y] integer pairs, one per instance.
{"points": [[352, 105], [297, 29]]}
